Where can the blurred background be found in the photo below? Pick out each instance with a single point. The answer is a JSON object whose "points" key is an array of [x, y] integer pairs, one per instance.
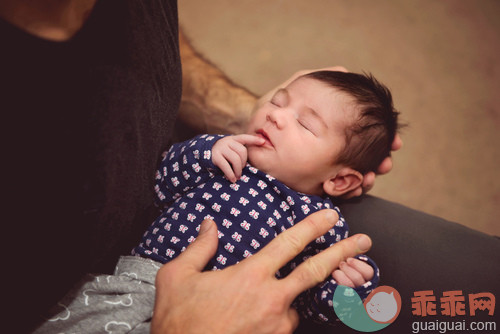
{"points": [[439, 58]]}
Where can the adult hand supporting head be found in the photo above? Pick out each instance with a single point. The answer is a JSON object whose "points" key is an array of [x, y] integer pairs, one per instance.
{"points": [[247, 297], [384, 168]]}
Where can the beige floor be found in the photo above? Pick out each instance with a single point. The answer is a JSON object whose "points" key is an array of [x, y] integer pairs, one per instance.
{"points": [[440, 58]]}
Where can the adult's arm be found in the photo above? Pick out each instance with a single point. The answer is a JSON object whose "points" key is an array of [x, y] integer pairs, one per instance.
{"points": [[52, 20], [211, 102], [246, 297]]}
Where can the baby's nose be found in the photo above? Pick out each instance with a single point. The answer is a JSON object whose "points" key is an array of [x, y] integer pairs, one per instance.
{"points": [[278, 117]]}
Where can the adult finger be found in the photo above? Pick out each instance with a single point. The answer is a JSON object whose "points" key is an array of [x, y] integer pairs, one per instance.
{"points": [[385, 166], [315, 269], [368, 182], [354, 193], [294, 317], [335, 68], [291, 242], [397, 143], [200, 251], [304, 72]]}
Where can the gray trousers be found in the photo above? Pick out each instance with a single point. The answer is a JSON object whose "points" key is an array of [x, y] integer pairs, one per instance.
{"points": [[119, 303]]}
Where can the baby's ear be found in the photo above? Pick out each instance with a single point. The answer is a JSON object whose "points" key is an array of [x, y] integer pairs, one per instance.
{"points": [[346, 180]]}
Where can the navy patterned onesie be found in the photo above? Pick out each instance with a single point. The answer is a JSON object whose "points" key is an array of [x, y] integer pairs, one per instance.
{"points": [[249, 214]]}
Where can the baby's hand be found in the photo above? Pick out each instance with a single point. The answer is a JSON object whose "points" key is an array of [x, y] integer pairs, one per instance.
{"points": [[353, 273], [230, 154]]}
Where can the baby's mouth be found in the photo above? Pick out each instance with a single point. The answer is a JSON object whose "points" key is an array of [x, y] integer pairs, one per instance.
{"points": [[261, 133]]}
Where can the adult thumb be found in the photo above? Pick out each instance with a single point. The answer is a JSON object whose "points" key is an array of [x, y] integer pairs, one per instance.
{"points": [[200, 251]]}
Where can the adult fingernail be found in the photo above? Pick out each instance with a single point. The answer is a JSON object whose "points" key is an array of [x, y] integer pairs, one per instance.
{"points": [[205, 226], [364, 243], [331, 216]]}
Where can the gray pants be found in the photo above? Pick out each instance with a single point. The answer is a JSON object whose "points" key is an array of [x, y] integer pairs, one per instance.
{"points": [[119, 303]]}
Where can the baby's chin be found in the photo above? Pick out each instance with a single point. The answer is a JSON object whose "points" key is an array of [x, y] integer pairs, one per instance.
{"points": [[261, 160], [256, 160]]}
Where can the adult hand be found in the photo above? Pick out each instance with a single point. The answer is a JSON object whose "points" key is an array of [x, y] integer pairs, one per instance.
{"points": [[369, 178], [246, 297]]}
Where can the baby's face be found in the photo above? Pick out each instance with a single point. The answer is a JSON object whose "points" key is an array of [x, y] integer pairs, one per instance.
{"points": [[303, 125]]}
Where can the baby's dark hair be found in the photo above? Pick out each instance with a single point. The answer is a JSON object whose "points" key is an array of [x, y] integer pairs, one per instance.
{"points": [[369, 138]]}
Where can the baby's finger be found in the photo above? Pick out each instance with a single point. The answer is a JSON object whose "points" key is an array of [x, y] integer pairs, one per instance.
{"points": [[247, 140], [342, 278], [235, 160], [226, 168], [362, 267], [352, 273], [241, 150]]}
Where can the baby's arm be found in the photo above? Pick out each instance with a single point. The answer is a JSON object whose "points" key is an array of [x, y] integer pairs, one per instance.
{"points": [[230, 154], [184, 166]]}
